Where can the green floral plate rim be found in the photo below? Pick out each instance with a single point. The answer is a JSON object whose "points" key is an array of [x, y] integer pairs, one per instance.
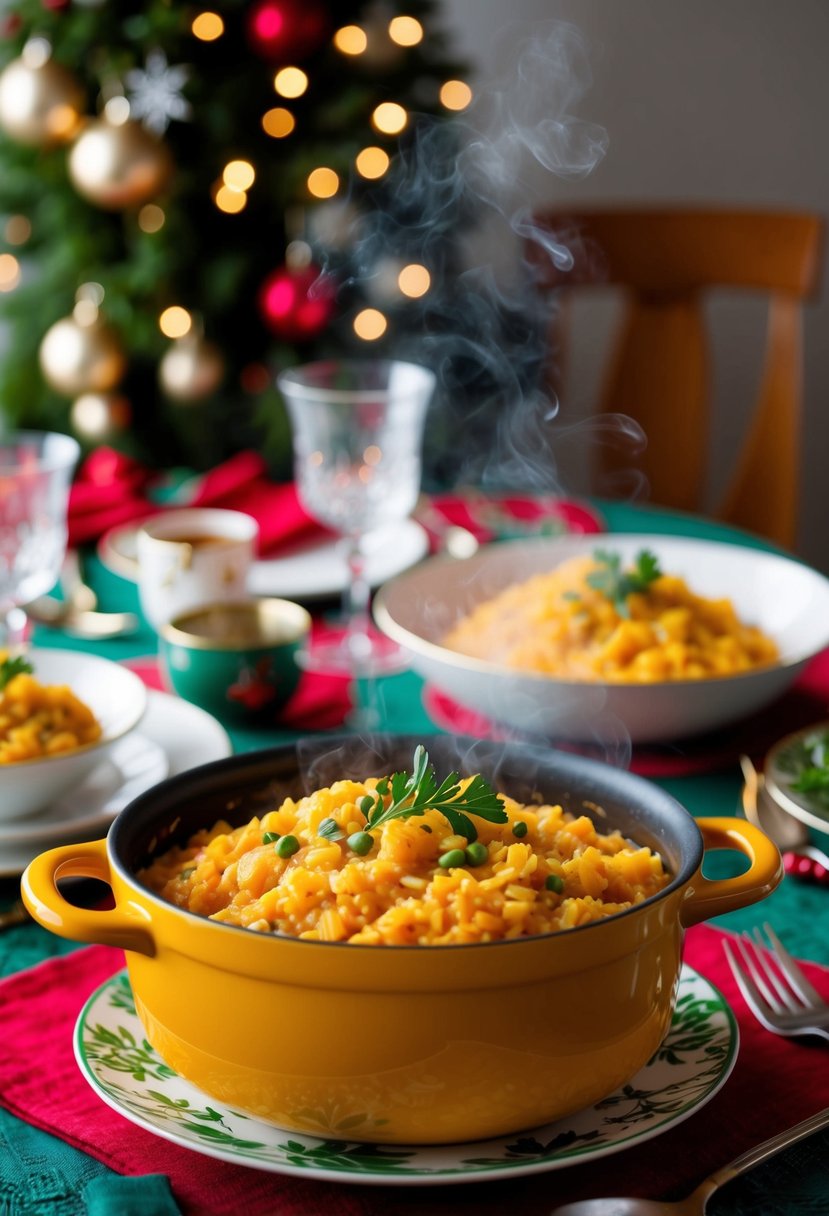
{"points": [[686, 1071]]}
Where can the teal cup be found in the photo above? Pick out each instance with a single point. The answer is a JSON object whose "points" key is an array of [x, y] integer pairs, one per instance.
{"points": [[236, 660]]}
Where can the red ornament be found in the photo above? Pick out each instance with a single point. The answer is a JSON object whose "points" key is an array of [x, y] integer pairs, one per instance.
{"points": [[287, 29], [297, 304]]}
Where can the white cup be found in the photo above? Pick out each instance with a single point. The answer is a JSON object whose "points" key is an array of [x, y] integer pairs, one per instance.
{"points": [[191, 557]]}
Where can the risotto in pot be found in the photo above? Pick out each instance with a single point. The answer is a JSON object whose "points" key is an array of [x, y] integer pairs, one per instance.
{"points": [[402, 860]]}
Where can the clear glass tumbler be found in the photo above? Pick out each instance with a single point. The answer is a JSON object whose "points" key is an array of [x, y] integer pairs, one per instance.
{"points": [[35, 474]]}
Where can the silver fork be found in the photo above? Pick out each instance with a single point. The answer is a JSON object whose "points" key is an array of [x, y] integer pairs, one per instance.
{"points": [[775, 989]]}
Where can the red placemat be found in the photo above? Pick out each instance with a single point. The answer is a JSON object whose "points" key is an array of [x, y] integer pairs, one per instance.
{"points": [[805, 703], [775, 1083]]}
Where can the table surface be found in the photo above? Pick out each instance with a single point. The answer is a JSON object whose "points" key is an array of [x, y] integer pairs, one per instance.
{"points": [[800, 915]]}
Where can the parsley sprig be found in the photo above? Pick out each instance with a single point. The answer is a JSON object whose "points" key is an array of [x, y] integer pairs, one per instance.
{"points": [[807, 761], [12, 667], [416, 792], [617, 584]]}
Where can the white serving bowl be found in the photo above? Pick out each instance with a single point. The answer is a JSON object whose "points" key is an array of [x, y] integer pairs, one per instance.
{"points": [[786, 599], [116, 696]]}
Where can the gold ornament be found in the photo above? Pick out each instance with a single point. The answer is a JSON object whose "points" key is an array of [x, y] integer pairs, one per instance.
{"points": [[82, 353], [118, 165], [191, 369], [40, 102], [97, 417]]}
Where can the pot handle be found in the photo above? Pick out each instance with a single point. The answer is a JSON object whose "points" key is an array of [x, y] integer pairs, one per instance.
{"points": [[126, 926], [706, 897]]}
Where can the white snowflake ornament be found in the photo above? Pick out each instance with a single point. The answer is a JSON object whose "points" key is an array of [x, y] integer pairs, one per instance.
{"points": [[154, 92]]}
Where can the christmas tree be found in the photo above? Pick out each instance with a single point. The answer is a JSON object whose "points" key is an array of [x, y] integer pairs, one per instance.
{"points": [[192, 198]]}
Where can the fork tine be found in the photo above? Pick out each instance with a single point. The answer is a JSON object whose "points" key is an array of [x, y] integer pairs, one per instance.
{"points": [[751, 993], [769, 966], [795, 976], [763, 981]]}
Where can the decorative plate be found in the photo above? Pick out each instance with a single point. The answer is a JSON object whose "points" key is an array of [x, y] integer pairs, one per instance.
{"points": [[785, 763], [690, 1066], [173, 737]]}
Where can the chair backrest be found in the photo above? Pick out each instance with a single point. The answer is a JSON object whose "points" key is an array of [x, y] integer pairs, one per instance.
{"points": [[666, 260]]}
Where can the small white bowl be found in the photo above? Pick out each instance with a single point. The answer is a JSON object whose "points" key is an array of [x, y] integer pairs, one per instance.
{"points": [[118, 699], [786, 599]]}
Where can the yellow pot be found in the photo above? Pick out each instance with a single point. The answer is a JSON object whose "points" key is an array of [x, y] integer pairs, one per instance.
{"points": [[402, 1044]]}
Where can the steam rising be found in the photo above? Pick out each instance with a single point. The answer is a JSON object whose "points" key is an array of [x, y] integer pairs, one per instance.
{"points": [[483, 327]]}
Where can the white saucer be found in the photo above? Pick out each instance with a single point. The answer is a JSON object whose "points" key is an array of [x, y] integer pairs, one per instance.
{"points": [[174, 736], [691, 1065], [307, 570]]}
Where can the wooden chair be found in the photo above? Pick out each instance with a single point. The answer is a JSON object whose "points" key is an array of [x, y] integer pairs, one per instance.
{"points": [[666, 260]]}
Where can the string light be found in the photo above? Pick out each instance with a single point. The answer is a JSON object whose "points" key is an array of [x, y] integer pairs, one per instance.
{"points": [[405, 31], [9, 272], [228, 200], [323, 183], [278, 122], [239, 175], [370, 324], [414, 280], [455, 95], [151, 218], [290, 82], [88, 299], [18, 229], [372, 162], [117, 111], [175, 322], [351, 40], [208, 27], [390, 118]]}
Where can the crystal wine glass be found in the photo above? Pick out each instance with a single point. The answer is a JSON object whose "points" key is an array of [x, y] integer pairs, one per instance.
{"points": [[35, 473], [357, 433]]}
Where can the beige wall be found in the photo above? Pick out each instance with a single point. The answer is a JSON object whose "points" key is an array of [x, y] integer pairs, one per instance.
{"points": [[702, 100]]}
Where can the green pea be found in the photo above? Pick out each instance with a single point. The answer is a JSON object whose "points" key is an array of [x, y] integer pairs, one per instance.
{"points": [[476, 853], [452, 859], [554, 882], [270, 837], [366, 804], [286, 846], [360, 842], [519, 829]]}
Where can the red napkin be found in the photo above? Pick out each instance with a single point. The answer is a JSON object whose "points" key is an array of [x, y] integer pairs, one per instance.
{"points": [[109, 491], [241, 484], [112, 490], [490, 518], [776, 1082], [805, 703]]}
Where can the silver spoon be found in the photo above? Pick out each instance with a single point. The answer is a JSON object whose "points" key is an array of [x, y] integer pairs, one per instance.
{"points": [[76, 613], [695, 1203]]}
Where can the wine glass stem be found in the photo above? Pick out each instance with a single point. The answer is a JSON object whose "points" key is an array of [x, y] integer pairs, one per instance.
{"points": [[358, 598]]}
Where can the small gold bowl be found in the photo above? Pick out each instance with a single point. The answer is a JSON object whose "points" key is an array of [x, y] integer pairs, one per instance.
{"points": [[237, 660]]}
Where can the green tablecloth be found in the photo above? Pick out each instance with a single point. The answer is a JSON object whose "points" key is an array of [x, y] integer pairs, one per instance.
{"points": [[71, 1183]]}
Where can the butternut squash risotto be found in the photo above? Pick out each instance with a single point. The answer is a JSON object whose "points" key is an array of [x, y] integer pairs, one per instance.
{"points": [[576, 623], [310, 869], [38, 720]]}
